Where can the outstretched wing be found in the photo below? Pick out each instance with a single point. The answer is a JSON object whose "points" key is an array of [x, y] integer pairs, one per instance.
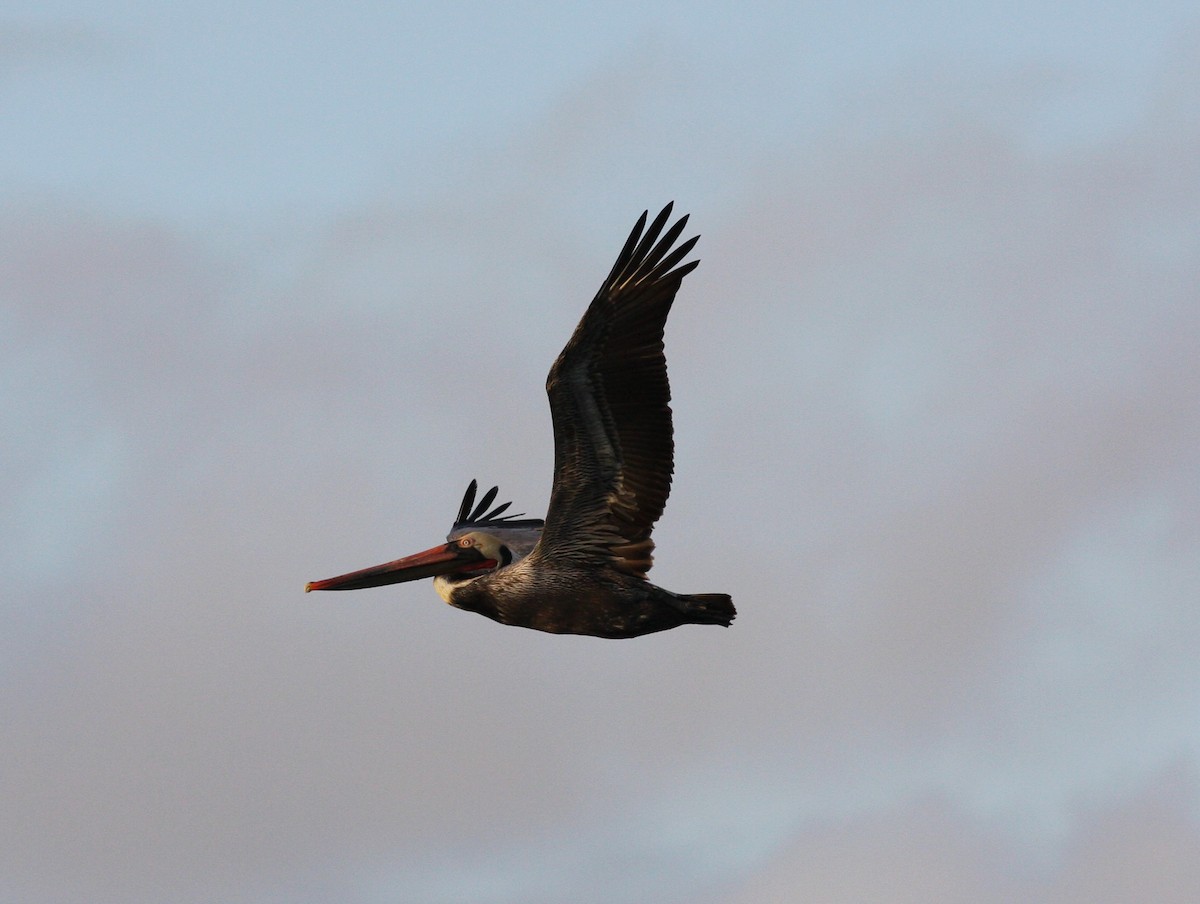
{"points": [[609, 399]]}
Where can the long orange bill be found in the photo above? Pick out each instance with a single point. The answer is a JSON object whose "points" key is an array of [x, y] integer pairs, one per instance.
{"points": [[430, 563]]}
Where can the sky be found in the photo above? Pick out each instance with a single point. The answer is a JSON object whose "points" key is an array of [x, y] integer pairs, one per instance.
{"points": [[278, 280]]}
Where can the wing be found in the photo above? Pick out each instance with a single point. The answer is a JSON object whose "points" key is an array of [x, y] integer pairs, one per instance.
{"points": [[609, 400]]}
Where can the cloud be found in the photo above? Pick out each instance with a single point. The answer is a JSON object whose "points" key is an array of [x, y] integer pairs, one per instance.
{"points": [[929, 384], [1138, 848]]}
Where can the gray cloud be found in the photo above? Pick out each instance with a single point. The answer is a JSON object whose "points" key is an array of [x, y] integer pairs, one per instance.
{"points": [[936, 435], [1135, 848]]}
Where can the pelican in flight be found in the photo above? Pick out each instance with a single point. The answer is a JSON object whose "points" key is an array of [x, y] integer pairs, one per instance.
{"points": [[583, 569]]}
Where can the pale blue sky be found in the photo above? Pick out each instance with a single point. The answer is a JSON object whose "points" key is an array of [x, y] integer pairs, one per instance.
{"points": [[277, 280], [262, 110]]}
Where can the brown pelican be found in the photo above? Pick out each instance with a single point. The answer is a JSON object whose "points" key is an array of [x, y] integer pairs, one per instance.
{"points": [[583, 570]]}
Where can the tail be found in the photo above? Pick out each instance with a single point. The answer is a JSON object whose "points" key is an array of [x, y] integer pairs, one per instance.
{"points": [[707, 608]]}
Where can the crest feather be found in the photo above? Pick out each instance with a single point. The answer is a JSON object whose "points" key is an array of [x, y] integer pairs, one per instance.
{"points": [[472, 515]]}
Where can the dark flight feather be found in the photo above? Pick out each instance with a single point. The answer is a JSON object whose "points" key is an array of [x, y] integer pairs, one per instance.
{"points": [[609, 399]]}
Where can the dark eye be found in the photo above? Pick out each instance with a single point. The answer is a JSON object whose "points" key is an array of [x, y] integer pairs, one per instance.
{"points": [[505, 555]]}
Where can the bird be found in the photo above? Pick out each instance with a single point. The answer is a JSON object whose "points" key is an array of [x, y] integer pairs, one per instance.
{"points": [[582, 570]]}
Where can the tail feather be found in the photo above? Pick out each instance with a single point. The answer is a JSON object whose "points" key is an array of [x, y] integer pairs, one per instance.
{"points": [[707, 608]]}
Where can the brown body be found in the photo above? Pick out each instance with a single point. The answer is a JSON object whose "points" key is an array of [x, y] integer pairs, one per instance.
{"points": [[562, 604]]}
